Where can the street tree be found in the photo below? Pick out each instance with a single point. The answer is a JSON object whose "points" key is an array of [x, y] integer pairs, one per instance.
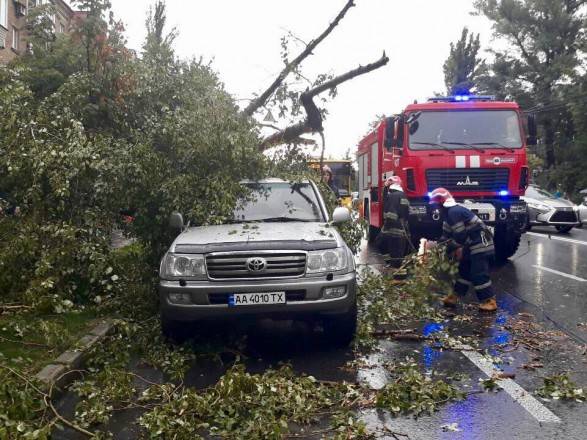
{"points": [[463, 66], [545, 45]]}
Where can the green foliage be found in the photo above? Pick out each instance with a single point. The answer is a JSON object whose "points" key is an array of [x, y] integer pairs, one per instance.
{"points": [[411, 392], [560, 386], [463, 66], [20, 406], [244, 405], [383, 301]]}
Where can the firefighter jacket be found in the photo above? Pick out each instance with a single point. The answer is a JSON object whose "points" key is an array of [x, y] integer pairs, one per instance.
{"points": [[462, 227], [396, 210]]}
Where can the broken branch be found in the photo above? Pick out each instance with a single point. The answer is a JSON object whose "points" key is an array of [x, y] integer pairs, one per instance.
{"points": [[262, 99], [313, 122]]}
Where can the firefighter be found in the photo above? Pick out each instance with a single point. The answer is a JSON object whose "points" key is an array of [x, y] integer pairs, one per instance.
{"points": [[395, 233], [471, 242]]}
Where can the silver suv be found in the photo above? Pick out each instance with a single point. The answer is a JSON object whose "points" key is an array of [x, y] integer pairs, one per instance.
{"points": [[277, 258]]}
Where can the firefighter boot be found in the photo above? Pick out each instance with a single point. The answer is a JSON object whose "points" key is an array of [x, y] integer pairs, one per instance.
{"points": [[450, 300], [489, 305]]}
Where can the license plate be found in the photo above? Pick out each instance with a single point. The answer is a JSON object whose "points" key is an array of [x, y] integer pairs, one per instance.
{"points": [[256, 299], [483, 216]]}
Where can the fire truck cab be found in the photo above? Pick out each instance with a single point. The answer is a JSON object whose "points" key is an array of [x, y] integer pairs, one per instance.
{"points": [[473, 146]]}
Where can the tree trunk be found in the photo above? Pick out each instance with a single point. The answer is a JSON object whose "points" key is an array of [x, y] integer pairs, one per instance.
{"points": [[549, 131]]}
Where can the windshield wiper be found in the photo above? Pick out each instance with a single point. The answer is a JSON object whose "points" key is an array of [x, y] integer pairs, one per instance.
{"points": [[480, 150], [284, 219], [510, 149], [435, 144]]}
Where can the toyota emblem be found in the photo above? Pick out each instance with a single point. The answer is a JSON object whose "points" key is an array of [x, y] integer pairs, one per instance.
{"points": [[256, 264]]}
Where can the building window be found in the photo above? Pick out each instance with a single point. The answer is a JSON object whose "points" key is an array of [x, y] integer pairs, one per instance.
{"points": [[4, 13], [15, 38]]}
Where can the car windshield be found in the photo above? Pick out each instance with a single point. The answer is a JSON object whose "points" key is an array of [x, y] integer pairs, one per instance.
{"points": [[538, 193], [470, 129], [280, 201]]}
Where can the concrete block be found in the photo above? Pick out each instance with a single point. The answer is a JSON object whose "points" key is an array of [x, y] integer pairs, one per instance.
{"points": [[72, 358], [88, 342], [102, 329], [51, 373]]}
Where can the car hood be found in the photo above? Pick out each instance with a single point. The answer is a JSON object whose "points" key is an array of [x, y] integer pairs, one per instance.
{"points": [[554, 203], [257, 236]]}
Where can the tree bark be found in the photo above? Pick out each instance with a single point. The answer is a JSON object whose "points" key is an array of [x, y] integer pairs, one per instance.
{"points": [[262, 99], [313, 121]]}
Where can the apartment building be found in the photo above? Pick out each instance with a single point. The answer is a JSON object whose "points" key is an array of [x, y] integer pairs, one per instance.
{"points": [[13, 38]]}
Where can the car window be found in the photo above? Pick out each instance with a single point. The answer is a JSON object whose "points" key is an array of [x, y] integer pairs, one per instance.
{"points": [[538, 193], [281, 201]]}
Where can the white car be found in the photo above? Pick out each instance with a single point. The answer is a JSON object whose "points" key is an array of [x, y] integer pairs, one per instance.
{"points": [[544, 209], [582, 210]]}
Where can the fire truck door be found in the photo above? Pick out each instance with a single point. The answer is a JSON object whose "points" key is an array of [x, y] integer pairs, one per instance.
{"points": [[375, 206]]}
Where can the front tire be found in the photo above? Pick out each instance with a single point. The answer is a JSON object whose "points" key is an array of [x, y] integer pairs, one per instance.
{"points": [[564, 229], [507, 243], [340, 329], [173, 331]]}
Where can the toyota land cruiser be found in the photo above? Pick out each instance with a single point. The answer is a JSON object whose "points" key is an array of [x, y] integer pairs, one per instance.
{"points": [[278, 257]]}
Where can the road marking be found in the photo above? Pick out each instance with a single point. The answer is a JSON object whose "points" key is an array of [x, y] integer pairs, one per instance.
{"points": [[562, 274], [550, 237], [536, 409], [541, 413]]}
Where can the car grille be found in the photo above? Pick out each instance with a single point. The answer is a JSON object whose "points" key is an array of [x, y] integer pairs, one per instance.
{"points": [[235, 266], [290, 295], [468, 179], [567, 216]]}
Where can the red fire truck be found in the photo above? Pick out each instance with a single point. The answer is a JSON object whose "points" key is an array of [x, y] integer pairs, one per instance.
{"points": [[474, 146]]}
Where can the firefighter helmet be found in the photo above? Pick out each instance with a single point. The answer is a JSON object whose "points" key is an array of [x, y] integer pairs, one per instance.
{"points": [[442, 197]]}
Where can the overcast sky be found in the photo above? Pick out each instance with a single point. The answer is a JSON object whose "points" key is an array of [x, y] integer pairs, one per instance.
{"points": [[242, 38]]}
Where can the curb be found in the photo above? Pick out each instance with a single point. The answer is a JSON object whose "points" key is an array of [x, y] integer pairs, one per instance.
{"points": [[56, 374]]}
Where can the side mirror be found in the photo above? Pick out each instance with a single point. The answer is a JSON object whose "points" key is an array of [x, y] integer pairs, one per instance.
{"points": [[176, 221], [341, 215], [532, 131], [389, 126], [400, 132]]}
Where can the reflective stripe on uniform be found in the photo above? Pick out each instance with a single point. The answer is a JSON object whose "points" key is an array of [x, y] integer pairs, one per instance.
{"points": [[458, 227], [483, 286], [404, 202], [483, 249], [394, 232], [465, 282], [390, 216], [446, 227]]}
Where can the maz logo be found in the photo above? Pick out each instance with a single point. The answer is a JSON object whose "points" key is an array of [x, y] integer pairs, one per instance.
{"points": [[468, 182]]}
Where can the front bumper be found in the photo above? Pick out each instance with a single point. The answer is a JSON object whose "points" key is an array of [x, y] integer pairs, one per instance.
{"points": [[554, 218], [207, 298]]}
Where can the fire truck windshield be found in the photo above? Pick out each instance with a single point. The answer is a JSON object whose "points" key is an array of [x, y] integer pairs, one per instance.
{"points": [[465, 129]]}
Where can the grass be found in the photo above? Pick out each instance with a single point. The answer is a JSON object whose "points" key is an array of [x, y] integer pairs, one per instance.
{"points": [[31, 341]]}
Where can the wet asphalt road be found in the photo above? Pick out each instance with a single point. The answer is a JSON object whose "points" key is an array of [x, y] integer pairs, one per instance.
{"points": [[543, 282]]}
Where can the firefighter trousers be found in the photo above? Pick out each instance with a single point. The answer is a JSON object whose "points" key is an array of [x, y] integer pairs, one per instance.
{"points": [[394, 246], [474, 272]]}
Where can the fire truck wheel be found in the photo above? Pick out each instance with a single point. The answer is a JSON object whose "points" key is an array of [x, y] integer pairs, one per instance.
{"points": [[507, 243], [373, 233]]}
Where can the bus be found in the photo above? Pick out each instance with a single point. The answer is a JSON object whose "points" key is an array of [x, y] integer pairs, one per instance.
{"points": [[343, 176]]}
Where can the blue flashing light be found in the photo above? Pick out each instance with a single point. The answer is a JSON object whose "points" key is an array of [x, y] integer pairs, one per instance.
{"points": [[462, 97], [504, 192]]}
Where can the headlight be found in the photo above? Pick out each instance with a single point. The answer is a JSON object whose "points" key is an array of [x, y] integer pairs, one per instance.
{"points": [[329, 260], [540, 207], [183, 266]]}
